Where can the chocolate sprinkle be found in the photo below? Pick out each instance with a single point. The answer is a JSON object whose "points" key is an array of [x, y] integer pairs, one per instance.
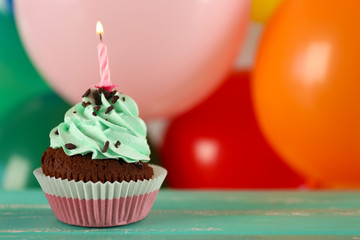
{"points": [[139, 165], [97, 97], [114, 99], [109, 109], [57, 132], [87, 93], [97, 108], [105, 92], [123, 98], [106, 146], [70, 146], [84, 104], [94, 113], [117, 144], [74, 112], [113, 93]]}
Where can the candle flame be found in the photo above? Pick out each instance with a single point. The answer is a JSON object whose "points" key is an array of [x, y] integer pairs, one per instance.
{"points": [[99, 28]]}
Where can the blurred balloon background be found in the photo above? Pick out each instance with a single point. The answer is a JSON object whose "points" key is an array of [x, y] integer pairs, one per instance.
{"points": [[29, 109], [306, 89], [218, 144], [19, 79], [25, 136], [159, 49], [262, 10], [243, 94]]}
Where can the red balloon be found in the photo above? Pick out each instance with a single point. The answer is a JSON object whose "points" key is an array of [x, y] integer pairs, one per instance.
{"points": [[218, 144]]}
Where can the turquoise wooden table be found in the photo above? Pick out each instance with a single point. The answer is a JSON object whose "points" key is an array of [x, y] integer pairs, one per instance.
{"points": [[199, 215]]}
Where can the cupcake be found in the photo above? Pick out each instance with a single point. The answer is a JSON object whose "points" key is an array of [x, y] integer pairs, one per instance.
{"points": [[95, 172]]}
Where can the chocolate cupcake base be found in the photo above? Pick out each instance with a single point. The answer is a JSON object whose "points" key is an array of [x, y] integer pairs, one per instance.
{"points": [[55, 163]]}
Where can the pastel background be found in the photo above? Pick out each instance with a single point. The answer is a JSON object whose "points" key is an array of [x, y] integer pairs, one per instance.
{"points": [[236, 94]]}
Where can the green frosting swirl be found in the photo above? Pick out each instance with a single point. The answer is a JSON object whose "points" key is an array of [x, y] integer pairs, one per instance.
{"points": [[89, 131]]}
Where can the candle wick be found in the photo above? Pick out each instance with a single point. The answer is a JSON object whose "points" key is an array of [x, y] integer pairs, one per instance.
{"points": [[100, 37]]}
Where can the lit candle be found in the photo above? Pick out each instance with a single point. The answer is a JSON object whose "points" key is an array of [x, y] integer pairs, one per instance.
{"points": [[103, 61]]}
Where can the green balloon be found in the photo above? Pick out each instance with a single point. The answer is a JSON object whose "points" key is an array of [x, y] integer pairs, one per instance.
{"points": [[18, 77], [24, 136]]}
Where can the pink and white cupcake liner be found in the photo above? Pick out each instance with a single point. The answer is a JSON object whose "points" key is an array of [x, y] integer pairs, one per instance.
{"points": [[100, 204]]}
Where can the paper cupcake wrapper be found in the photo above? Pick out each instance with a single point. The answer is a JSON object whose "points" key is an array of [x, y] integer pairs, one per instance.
{"points": [[100, 204]]}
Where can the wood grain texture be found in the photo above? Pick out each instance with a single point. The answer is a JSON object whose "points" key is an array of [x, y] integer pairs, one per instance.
{"points": [[200, 215]]}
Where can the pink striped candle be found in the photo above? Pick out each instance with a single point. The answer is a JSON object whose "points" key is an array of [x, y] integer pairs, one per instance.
{"points": [[103, 61]]}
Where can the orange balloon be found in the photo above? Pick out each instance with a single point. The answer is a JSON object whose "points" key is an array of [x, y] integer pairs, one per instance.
{"points": [[306, 89]]}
